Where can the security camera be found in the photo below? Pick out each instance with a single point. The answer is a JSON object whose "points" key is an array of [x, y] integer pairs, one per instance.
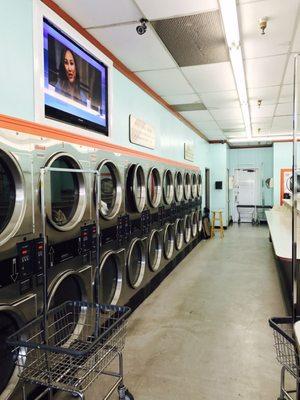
{"points": [[141, 29]]}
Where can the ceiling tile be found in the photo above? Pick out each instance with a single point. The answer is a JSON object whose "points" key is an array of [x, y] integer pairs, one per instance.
{"points": [[284, 109], [210, 77], [289, 73], [227, 113], [263, 111], [100, 12], [157, 9], [232, 124], [266, 71], [166, 82], [262, 121], [197, 116], [282, 124], [207, 125], [286, 94], [268, 95], [279, 31], [296, 44], [228, 99], [137, 52], [214, 134], [182, 99]]}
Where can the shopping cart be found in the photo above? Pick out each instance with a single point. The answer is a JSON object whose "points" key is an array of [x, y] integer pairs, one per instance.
{"points": [[81, 341], [286, 353]]}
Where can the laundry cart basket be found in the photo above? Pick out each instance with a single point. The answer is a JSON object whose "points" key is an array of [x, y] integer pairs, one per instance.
{"points": [[286, 354], [82, 340]]}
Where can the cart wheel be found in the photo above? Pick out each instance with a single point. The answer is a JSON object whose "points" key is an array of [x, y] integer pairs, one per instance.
{"points": [[124, 393]]}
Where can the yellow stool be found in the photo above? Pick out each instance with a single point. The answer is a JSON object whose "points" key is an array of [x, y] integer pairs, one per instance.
{"points": [[217, 216]]}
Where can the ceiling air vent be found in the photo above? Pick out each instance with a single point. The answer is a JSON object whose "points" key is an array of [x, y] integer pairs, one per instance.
{"points": [[189, 107], [194, 39]]}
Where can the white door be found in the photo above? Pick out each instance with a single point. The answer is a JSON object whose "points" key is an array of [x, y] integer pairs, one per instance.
{"points": [[246, 192]]}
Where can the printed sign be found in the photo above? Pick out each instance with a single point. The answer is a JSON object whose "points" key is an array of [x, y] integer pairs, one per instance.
{"points": [[285, 177], [189, 151], [141, 133]]}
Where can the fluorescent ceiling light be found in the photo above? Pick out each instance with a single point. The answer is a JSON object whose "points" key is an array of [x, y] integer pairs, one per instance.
{"points": [[261, 139], [232, 33]]}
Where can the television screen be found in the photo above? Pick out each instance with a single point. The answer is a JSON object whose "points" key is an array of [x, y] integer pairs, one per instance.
{"points": [[75, 83]]}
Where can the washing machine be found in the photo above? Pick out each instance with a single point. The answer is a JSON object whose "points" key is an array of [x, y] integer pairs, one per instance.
{"points": [[15, 311]]}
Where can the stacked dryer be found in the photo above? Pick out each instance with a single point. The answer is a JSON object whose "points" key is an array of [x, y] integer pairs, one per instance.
{"points": [[18, 304]]}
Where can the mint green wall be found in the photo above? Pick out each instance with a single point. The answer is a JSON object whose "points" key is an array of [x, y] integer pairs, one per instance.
{"points": [[218, 172], [16, 66]]}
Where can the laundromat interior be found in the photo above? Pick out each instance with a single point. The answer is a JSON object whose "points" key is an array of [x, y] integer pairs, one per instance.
{"points": [[149, 217]]}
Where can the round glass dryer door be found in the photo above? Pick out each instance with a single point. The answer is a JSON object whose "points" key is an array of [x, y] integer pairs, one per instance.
{"points": [[111, 191], [187, 186], [68, 287], [136, 187], [155, 250], [168, 241], [168, 187], [12, 197], [194, 186], [187, 228], [179, 232], [178, 186], [199, 221], [154, 187], [110, 279], [8, 370], [194, 220], [199, 185], [136, 262], [67, 202]]}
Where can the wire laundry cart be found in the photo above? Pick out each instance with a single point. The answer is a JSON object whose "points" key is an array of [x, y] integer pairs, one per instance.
{"points": [[68, 347]]}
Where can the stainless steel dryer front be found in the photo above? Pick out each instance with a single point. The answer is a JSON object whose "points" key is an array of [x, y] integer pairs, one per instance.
{"points": [[15, 311]]}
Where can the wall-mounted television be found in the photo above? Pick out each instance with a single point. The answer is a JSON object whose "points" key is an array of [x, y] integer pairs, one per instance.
{"points": [[75, 82]]}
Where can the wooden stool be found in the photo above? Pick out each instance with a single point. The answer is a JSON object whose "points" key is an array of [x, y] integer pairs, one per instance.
{"points": [[217, 216]]}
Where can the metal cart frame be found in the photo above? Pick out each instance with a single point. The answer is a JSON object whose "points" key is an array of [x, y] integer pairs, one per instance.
{"points": [[68, 347]]}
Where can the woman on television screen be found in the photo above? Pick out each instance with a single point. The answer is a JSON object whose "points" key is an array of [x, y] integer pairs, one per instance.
{"points": [[68, 82]]}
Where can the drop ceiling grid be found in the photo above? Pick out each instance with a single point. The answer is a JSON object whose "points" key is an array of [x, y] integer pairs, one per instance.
{"points": [[267, 58]]}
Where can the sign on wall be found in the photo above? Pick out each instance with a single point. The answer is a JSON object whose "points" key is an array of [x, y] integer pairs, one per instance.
{"points": [[141, 133], [285, 176], [189, 151]]}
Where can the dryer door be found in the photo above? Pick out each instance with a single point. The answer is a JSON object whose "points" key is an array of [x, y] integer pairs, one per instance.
{"points": [[154, 250], [194, 220], [136, 262], [187, 186], [199, 221], [168, 241], [111, 278], [136, 188], [111, 190], [179, 232], [199, 185], [15, 194], [178, 186], [187, 228], [194, 186], [154, 187], [168, 187], [65, 192]]}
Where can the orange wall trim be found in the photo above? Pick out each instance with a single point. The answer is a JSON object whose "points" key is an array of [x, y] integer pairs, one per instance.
{"points": [[119, 65], [33, 128]]}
